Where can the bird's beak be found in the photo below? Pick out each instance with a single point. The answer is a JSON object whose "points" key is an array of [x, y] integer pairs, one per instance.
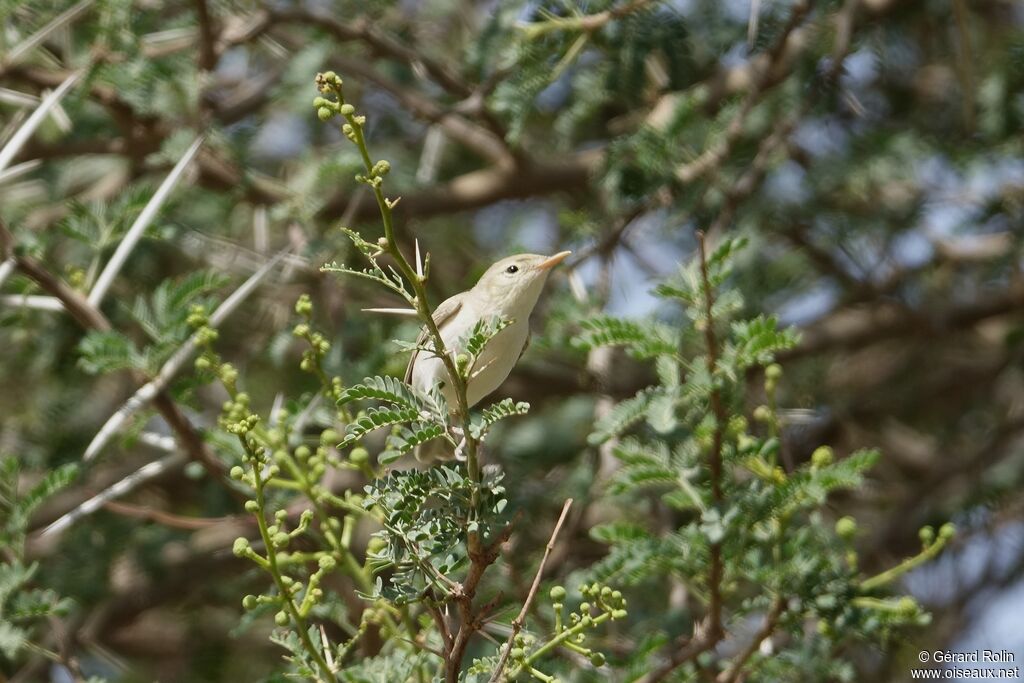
{"points": [[552, 261]]}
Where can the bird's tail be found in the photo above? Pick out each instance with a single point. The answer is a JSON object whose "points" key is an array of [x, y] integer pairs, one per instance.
{"points": [[437, 450]]}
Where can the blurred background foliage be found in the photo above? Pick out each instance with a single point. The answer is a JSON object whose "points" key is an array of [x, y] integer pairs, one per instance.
{"points": [[870, 150]]}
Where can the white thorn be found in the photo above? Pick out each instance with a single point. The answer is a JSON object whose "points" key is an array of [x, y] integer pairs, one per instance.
{"points": [[19, 139], [131, 238]]}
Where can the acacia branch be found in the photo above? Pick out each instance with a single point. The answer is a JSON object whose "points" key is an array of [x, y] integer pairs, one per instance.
{"points": [[517, 623], [91, 318]]}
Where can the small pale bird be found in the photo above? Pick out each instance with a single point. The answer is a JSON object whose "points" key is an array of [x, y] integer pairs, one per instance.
{"points": [[509, 289]]}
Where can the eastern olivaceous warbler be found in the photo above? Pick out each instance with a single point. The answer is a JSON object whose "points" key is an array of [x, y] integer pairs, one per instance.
{"points": [[508, 290]]}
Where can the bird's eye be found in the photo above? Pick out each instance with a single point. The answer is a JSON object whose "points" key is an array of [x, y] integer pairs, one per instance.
{"points": [[512, 269]]}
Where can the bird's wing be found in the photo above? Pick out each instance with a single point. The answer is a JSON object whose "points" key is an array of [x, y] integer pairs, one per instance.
{"points": [[442, 314], [526, 345]]}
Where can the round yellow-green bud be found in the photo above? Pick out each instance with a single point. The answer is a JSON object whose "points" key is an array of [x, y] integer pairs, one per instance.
{"points": [[359, 455], [202, 363], [584, 607], [330, 436], [324, 114], [303, 452], [927, 535], [517, 653], [587, 621], [281, 618], [304, 306], [619, 614], [252, 507], [947, 531], [557, 593], [329, 76], [240, 547], [762, 413], [846, 527], [319, 102], [822, 456], [347, 110], [301, 330], [250, 602], [382, 242], [280, 539], [382, 167], [236, 472], [326, 562], [376, 544], [773, 372], [597, 659], [906, 606]]}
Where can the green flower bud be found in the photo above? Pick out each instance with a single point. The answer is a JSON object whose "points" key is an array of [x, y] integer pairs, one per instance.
{"points": [[327, 562], [252, 507], [587, 621], [846, 528], [202, 363], [584, 607], [619, 614], [240, 547], [762, 413], [597, 659], [947, 531], [301, 330], [773, 372], [347, 110], [249, 602], [557, 594], [381, 168], [281, 618], [927, 535], [517, 653], [236, 472], [303, 452], [329, 436], [822, 457], [359, 455], [907, 606]]}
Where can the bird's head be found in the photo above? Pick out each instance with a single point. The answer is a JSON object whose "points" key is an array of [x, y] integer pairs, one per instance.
{"points": [[512, 286]]}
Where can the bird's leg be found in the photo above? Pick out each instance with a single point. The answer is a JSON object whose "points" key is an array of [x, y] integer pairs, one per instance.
{"points": [[460, 454]]}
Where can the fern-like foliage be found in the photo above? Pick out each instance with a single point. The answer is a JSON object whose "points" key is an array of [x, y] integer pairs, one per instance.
{"points": [[495, 413]]}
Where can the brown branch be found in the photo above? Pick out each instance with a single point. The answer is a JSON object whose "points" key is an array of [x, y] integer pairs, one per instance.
{"points": [[363, 30], [91, 318], [771, 621], [160, 517], [714, 626], [483, 187], [470, 620], [207, 37], [517, 623]]}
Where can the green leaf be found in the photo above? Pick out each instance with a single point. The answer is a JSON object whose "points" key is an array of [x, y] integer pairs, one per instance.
{"points": [[375, 418], [622, 417], [642, 340], [107, 351], [498, 411]]}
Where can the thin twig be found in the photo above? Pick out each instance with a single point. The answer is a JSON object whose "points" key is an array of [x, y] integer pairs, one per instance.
{"points": [[133, 481], [771, 621], [517, 623]]}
